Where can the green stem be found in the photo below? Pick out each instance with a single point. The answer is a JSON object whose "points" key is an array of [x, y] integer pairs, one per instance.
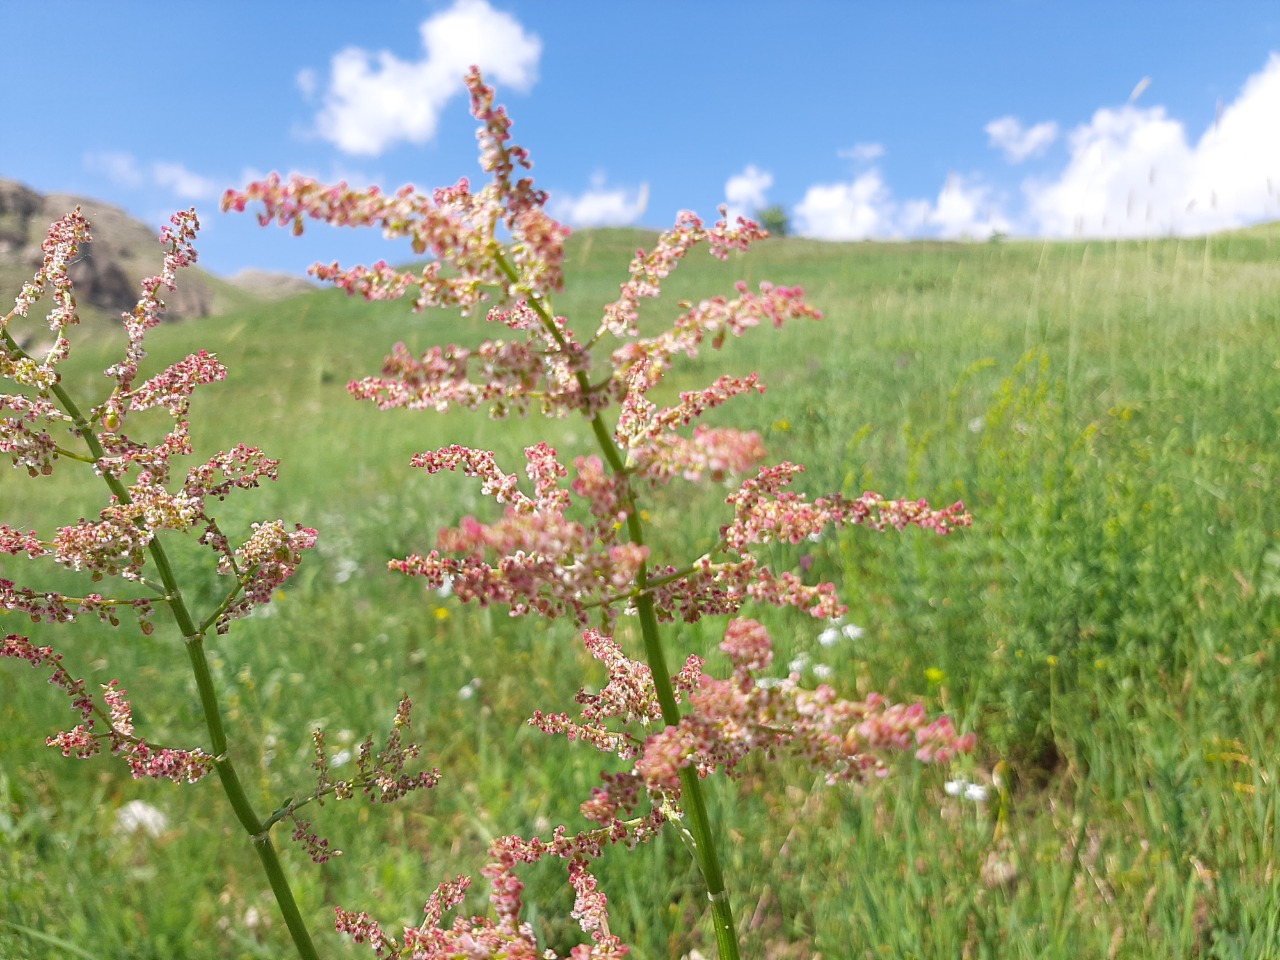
{"points": [[194, 638], [704, 845], [695, 807]]}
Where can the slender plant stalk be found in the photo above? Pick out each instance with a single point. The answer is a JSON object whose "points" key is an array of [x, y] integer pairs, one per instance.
{"points": [[694, 802], [194, 639], [704, 846]]}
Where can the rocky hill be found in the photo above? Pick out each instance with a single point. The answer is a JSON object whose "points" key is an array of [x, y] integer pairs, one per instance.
{"points": [[123, 251]]}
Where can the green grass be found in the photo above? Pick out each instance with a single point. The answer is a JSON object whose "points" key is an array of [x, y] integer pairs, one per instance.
{"points": [[1108, 411]]}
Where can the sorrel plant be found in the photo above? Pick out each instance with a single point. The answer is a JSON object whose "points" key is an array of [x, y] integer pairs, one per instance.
{"points": [[573, 548]]}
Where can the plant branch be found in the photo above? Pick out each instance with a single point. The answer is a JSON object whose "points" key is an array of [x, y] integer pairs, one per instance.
{"points": [[194, 640]]}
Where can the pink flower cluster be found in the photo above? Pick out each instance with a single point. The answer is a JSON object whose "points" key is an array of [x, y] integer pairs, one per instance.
{"points": [[15, 542], [715, 319], [457, 226], [144, 759], [148, 496], [380, 775], [536, 559], [731, 718], [172, 388], [649, 270], [764, 512], [61, 245], [546, 562], [503, 376], [629, 697], [506, 935], [262, 564], [25, 436], [146, 314], [116, 544]]}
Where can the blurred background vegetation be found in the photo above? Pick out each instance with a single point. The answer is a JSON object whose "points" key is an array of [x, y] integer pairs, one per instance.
{"points": [[1108, 411]]}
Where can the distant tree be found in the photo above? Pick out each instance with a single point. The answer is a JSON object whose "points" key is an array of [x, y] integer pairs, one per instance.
{"points": [[775, 220]]}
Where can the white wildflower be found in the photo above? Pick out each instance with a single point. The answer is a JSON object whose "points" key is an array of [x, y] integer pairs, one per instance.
{"points": [[973, 792], [345, 568], [138, 815], [976, 792]]}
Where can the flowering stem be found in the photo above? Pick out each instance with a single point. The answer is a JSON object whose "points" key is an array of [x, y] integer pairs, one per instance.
{"points": [[695, 807], [194, 639], [704, 847], [210, 620], [655, 582], [71, 455]]}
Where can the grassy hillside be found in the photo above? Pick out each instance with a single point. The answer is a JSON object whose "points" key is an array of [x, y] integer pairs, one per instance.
{"points": [[1108, 411]]}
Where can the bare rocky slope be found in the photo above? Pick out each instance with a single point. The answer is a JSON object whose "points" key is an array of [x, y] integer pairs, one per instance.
{"points": [[123, 251]]}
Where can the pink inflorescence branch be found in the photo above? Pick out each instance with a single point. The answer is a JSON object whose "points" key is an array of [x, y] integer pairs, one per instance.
{"points": [[458, 227], [536, 559], [380, 777], [730, 718], [505, 934], [61, 245], [380, 774], [83, 740]]}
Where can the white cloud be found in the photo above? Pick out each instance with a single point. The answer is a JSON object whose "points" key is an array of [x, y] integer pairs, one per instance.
{"points": [[375, 100], [862, 152], [1020, 144], [601, 206], [966, 210], [865, 208], [856, 210], [744, 193], [124, 170], [184, 183], [119, 167], [1133, 171], [308, 82]]}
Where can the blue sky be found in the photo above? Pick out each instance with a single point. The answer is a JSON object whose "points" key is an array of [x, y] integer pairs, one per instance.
{"points": [[941, 119]]}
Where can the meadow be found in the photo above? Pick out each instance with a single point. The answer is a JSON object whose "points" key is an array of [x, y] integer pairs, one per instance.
{"points": [[1109, 412]]}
